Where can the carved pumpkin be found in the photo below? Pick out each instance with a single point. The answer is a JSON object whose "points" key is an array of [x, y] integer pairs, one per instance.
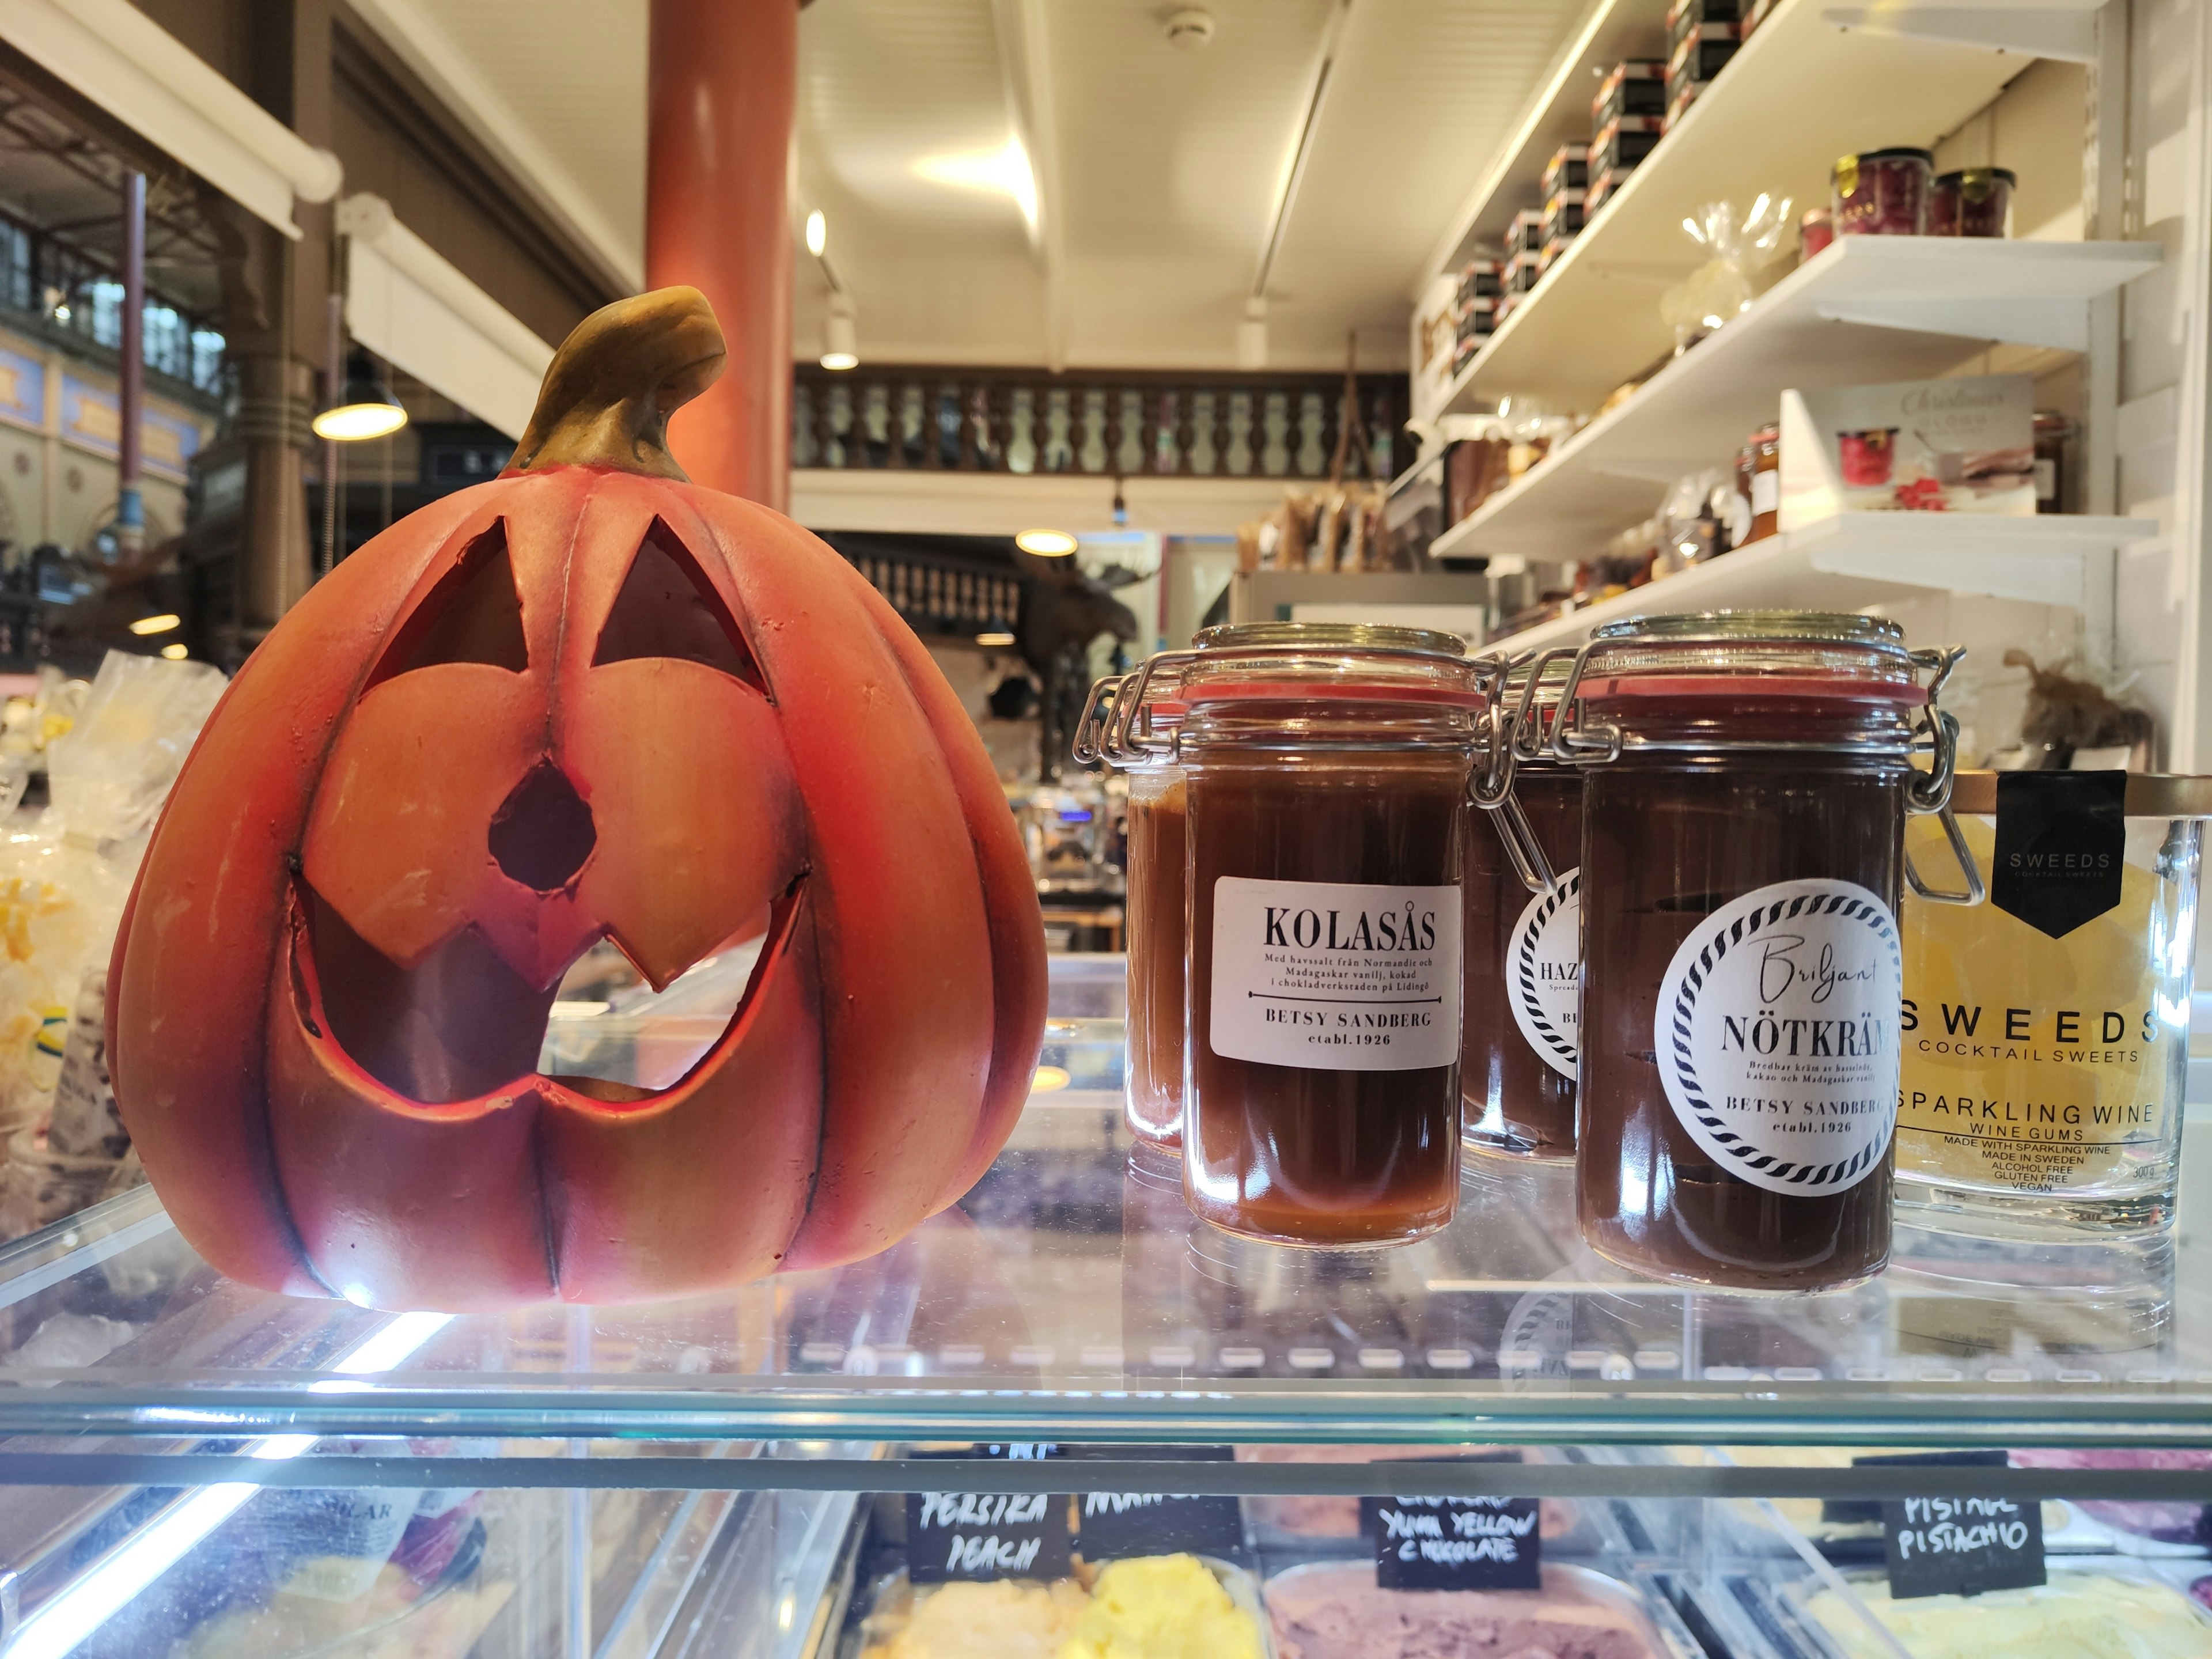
{"points": [[587, 700]]}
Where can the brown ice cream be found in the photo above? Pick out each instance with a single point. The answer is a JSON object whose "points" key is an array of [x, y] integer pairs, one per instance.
{"points": [[1338, 1612]]}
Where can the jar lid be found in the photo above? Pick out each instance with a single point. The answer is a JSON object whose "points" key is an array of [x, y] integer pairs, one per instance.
{"points": [[2151, 795], [1977, 176], [1330, 636], [1900, 153], [1361, 663], [1798, 653]]}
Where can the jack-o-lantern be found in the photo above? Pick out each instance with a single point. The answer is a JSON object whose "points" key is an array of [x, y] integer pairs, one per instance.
{"points": [[585, 702]]}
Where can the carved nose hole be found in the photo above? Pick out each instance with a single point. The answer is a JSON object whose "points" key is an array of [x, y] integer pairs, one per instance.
{"points": [[543, 834]]}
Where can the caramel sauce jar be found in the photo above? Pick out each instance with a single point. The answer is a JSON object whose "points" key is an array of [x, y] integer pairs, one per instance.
{"points": [[1325, 770], [1156, 905], [1520, 1046], [1746, 777]]}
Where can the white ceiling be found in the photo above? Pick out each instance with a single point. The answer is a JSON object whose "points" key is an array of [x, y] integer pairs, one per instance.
{"points": [[1157, 166]]}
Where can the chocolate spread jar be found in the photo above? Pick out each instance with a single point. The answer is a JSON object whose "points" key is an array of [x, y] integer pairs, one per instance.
{"points": [[1326, 772], [1746, 777], [1523, 937]]}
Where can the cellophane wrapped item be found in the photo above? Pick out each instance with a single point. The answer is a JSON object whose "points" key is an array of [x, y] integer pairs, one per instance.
{"points": [[1736, 271], [64, 874]]}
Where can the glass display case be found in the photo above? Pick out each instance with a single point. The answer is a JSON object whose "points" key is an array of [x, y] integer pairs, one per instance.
{"points": [[194, 1468]]}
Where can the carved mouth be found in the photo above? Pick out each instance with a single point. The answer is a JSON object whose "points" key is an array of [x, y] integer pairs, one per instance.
{"points": [[461, 1025]]}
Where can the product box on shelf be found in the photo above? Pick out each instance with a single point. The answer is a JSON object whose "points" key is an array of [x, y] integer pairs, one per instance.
{"points": [[1521, 271], [1563, 216], [1558, 245], [1479, 280], [1757, 13], [1567, 170], [1636, 85], [1700, 54], [1619, 145], [1679, 99], [1526, 234], [1954, 445], [1684, 15]]}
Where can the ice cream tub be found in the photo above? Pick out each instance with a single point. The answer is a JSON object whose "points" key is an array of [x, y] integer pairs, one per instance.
{"points": [[2113, 1608], [1099, 1611], [1335, 1610]]}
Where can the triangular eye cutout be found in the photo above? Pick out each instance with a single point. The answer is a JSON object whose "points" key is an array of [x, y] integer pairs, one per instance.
{"points": [[667, 608], [472, 615]]}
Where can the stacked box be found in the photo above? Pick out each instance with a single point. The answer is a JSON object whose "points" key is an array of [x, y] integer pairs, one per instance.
{"points": [[1562, 220], [1637, 86], [1479, 279], [1618, 148], [1521, 271], [1568, 169], [1525, 235], [1757, 13], [1478, 318], [1701, 52], [1687, 15]]}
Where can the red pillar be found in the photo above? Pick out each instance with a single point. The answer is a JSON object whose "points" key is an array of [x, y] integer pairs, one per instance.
{"points": [[723, 89]]}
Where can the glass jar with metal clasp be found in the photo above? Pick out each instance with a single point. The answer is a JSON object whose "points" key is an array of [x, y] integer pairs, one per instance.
{"points": [[1326, 769], [1746, 778]]}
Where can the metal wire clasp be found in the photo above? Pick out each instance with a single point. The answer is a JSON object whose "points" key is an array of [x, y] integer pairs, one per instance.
{"points": [[1930, 791], [1097, 714], [1490, 785], [1129, 737]]}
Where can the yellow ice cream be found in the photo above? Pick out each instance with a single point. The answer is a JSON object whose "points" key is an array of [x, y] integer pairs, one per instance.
{"points": [[2077, 1615], [1161, 1606], [998, 1620]]}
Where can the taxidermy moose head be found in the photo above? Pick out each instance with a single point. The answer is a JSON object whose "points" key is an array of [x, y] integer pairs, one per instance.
{"points": [[588, 703]]}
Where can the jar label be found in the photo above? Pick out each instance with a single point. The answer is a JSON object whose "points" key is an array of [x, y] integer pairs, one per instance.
{"points": [[1777, 1033], [1765, 491], [1544, 973], [1335, 977]]}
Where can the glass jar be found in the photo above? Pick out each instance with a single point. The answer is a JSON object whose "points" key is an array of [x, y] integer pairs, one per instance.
{"points": [[1882, 192], [1765, 482], [1972, 202], [1523, 937], [1153, 905], [1326, 771], [1746, 781], [2046, 1033]]}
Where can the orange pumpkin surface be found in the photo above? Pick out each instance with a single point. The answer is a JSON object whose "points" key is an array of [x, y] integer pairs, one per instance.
{"points": [[586, 701]]}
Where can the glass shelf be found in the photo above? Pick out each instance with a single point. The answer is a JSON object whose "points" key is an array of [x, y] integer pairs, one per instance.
{"points": [[1071, 1297]]}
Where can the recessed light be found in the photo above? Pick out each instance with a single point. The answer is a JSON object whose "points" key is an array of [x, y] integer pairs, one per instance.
{"points": [[996, 638], [1046, 544], [175, 652], [160, 624]]}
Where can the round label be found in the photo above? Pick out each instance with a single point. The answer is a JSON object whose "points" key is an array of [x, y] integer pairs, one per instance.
{"points": [[1777, 1032], [1544, 973]]}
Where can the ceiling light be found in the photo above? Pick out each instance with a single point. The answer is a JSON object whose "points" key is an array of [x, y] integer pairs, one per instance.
{"points": [[175, 651], [1252, 335], [1006, 169], [1046, 544], [841, 337], [160, 624], [365, 408], [817, 233], [995, 638]]}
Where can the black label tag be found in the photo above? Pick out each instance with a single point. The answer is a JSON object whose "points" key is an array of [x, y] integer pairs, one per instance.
{"points": [[1940, 1546], [1454, 1543], [982, 1535], [1110, 1525], [2061, 842]]}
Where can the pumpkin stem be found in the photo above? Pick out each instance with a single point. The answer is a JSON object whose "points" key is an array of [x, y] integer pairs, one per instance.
{"points": [[617, 379]]}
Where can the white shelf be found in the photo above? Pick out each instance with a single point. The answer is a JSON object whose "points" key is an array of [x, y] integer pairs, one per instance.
{"points": [[1801, 91], [1860, 559], [1869, 308]]}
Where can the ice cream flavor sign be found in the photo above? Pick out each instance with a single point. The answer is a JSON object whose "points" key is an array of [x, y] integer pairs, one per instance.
{"points": [[1454, 1543], [1959, 1545], [984, 1535]]}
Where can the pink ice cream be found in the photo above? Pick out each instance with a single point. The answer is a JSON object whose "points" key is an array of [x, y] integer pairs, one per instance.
{"points": [[1338, 1612]]}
